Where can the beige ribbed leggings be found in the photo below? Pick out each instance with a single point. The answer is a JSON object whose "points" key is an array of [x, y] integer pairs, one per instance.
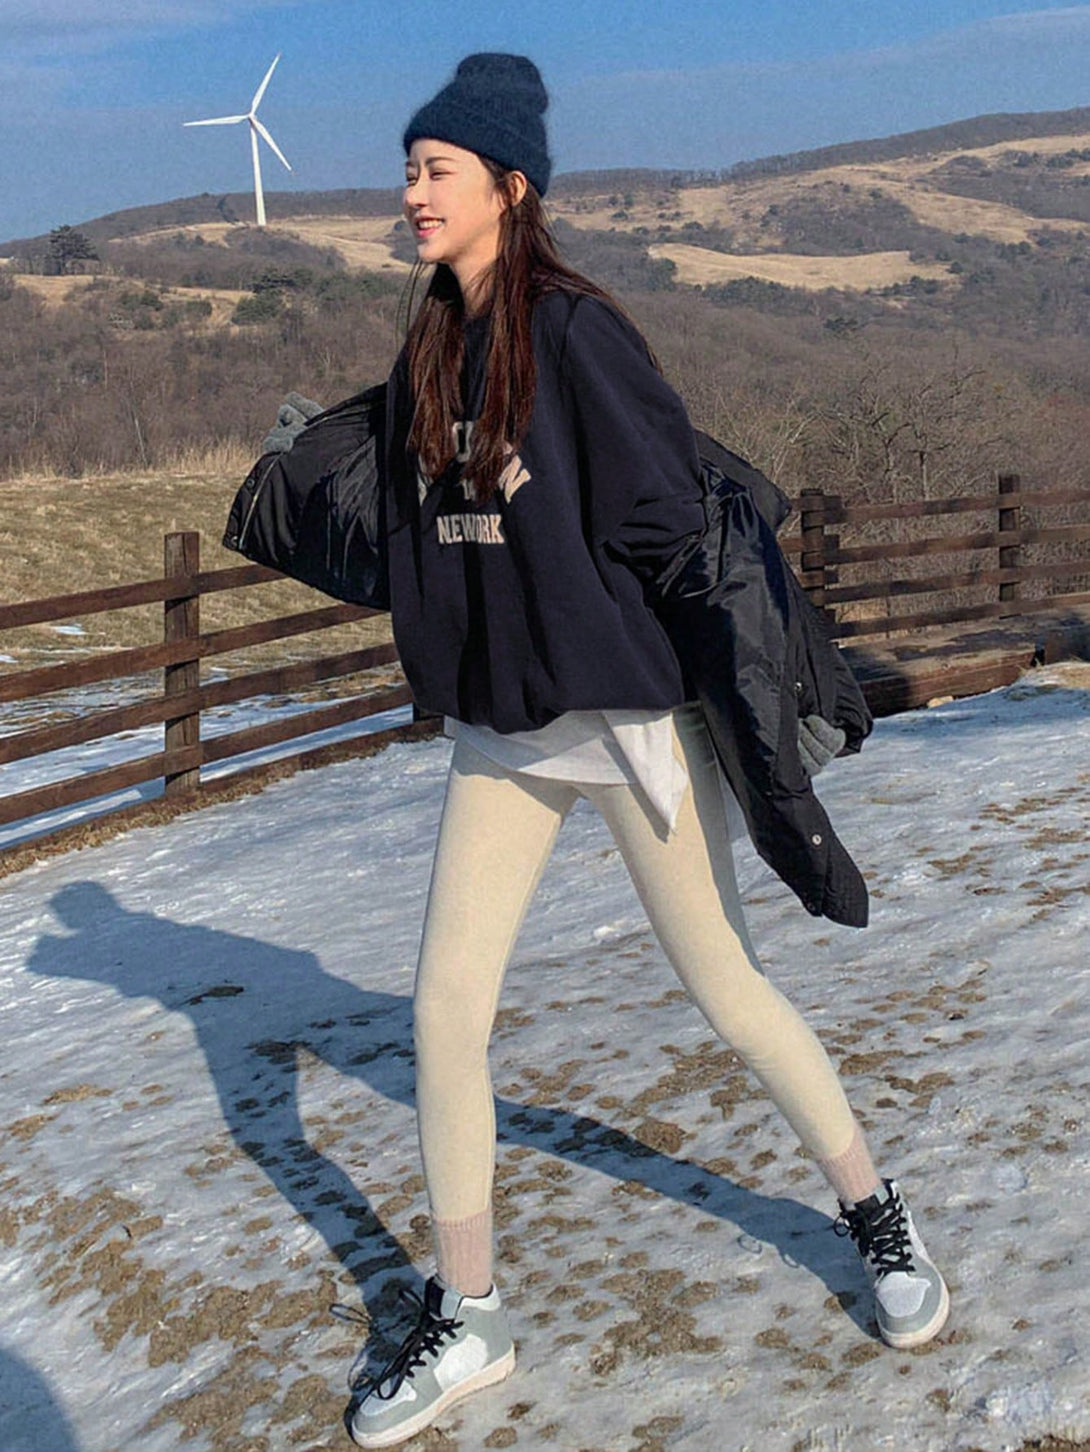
{"points": [[495, 837]]}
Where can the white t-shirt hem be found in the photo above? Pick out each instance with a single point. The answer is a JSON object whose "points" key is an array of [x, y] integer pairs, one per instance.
{"points": [[593, 748]]}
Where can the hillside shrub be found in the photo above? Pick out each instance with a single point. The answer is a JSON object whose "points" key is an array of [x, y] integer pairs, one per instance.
{"points": [[262, 307]]}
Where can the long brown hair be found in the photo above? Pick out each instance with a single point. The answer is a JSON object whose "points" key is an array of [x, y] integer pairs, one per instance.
{"points": [[527, 265]]}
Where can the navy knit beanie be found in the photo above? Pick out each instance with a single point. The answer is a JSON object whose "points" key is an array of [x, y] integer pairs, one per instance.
{"points": [[495, 106]]}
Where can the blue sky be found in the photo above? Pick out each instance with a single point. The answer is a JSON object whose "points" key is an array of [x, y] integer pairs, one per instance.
{"points": [[93, 93]]}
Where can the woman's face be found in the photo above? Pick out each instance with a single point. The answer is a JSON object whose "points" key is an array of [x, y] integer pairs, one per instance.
{"points": [[454, 207]]}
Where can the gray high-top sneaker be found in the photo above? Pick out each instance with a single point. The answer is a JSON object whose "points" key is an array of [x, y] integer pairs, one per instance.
{"points": [[459, 1345], [910, 1296]]}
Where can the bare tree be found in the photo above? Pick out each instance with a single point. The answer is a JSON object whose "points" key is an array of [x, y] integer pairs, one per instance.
{"points": [[903, 427]]}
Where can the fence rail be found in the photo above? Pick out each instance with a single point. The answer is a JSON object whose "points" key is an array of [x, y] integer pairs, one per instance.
{"points": [[999, 566], [183, 699], [998, 563]]}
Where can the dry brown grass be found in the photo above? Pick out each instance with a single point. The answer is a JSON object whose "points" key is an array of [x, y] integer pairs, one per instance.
{"points": [[211, 233], [872, 269], [600, 215], [60, 536], [359, 241], [909, 182], [1045, 145], [742, 205], [56, 291]]}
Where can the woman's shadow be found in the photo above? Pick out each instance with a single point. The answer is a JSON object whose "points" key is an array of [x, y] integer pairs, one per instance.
{"points": [[260, 1011], [31, 1415]]}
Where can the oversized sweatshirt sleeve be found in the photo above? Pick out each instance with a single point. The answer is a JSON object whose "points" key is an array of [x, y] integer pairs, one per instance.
{"points": [[638, 461]]}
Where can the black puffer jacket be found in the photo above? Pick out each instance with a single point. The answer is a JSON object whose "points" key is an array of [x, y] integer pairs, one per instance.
{"points": [[758, 656], [753, 648], [317, 512]]}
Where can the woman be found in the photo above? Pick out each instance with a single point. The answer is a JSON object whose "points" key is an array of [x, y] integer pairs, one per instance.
{"points": [[542, 481]]}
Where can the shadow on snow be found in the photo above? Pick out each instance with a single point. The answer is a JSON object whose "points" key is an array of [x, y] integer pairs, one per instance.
{"points": [[256, 1008]]}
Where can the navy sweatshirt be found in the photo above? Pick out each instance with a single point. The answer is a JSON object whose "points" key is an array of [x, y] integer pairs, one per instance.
{"points": [[510, 612]]}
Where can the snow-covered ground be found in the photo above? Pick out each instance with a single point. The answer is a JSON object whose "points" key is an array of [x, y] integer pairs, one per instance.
{"points": [[208, 1135]]}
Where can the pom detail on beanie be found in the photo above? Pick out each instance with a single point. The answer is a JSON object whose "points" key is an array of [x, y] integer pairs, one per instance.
{"points": [[495, 106]]}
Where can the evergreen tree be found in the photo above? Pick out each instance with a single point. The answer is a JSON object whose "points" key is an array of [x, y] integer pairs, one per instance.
{"points": [[67, 245]]}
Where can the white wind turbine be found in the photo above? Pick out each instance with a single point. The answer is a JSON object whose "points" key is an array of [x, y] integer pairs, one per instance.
{"points": [[256, 129]]}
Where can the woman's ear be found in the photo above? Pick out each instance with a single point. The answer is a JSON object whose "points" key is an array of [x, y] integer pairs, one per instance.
{"points": [[516, 187]]}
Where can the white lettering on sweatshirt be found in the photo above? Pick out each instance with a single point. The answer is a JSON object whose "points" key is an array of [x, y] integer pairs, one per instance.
{"points": [[456, 529]]}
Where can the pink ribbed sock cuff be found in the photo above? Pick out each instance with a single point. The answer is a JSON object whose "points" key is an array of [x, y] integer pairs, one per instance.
{"points": [[463, 1253], [851, 1174]]}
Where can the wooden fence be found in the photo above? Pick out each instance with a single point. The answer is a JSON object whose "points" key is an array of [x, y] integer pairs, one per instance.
{"points": [[998, 564], [987, 603], [183, 699], [991, 560]]}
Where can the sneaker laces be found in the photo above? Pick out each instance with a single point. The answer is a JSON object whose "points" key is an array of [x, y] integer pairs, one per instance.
{"points": [[423, 1340], [880, 1233]]}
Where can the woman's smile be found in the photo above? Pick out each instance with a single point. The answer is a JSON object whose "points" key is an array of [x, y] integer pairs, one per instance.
{"points": [[453, 207]]}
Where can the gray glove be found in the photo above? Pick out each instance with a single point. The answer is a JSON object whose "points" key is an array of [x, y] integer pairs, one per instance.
{"points": [[291, 419], [818, 743]]}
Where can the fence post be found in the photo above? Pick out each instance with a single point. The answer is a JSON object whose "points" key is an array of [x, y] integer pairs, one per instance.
{"points": [[812, 558], [1010, 521], [816, 570], [181, 621]]}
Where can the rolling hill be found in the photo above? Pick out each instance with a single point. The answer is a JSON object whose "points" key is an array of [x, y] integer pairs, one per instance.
{"points": [[861, 217], [937, 281]]}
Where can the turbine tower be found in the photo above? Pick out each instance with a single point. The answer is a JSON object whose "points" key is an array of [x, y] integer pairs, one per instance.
{"points": [[256, 129]]}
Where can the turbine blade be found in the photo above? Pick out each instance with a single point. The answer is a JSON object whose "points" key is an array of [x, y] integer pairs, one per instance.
{"points": [[217, 121], [261, 89], [256, 124]]}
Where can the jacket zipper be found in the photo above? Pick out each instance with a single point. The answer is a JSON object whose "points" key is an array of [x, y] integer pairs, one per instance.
{"points": [[253, 502]]}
